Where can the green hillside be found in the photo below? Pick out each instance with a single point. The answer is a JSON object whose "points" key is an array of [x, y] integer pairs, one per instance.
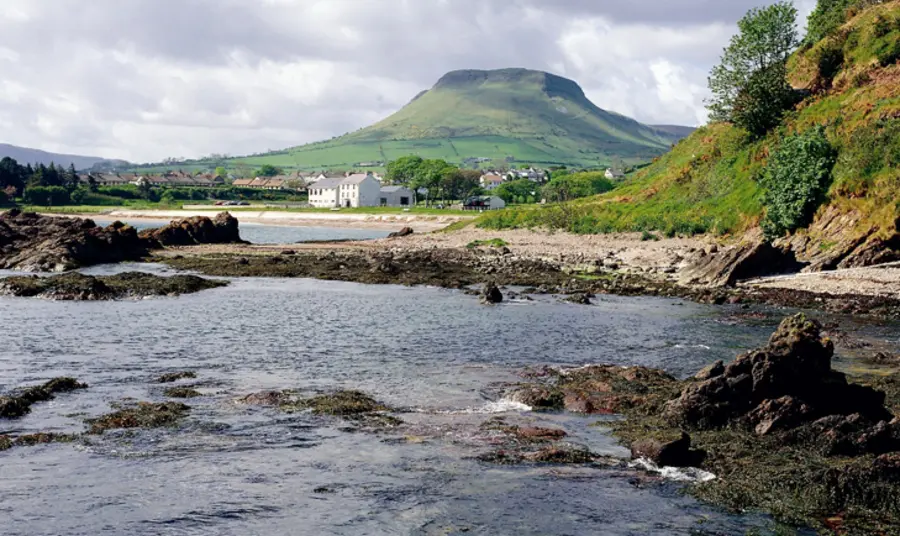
{"points": [[712, 180], [528, 116]]}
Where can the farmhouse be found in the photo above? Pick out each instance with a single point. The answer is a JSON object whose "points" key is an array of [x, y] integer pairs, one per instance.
{"points": [[397, 196], [491, 180], [612, 174]]}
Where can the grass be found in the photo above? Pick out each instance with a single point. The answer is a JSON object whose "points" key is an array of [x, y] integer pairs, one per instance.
{"points": [[492, 243]]}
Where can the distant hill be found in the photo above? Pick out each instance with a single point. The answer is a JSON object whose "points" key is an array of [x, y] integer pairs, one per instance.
{"points": [[24, 156], [514, 115]]}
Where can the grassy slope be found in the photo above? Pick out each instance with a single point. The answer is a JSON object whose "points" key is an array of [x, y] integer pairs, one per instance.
{"points": [[533, 117], [708, 182]]}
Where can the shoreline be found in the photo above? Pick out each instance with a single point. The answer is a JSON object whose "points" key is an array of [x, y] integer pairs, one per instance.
{"points": [[420, 223]]}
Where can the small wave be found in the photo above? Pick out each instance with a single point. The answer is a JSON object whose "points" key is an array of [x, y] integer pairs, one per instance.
{"points": [[686, 474], [699, 346], [504, 405]]}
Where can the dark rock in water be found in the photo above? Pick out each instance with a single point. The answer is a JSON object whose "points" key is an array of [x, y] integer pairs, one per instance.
{"points": [[339, 404], [223, 229], [538, 398], [142, 415], [561, 454], [406, 231], [726, 267], [36, 243], [172, 377], [79, 287], [181, 392], [31, 440], [19, 404], [673, 453], [266, 398], [491, 295], [539, 434], [581, 298], [782, 385]]}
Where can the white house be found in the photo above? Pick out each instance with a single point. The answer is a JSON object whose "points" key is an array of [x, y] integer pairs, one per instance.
{"points": [[397, 196], [491, 180], [359, 190], [613, 174]]}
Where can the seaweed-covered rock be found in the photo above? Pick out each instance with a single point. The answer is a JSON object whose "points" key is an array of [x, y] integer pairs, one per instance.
{"points": [[537, 397], [79, 287], [172, 377], [141, 415], [579, 298], [266, 398], [36, 243], [181, 392], [19, 403], [223, 229], [786, 383], [491, 295], [339, 404]]}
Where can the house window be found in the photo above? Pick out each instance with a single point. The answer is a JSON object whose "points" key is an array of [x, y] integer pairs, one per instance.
{"points": [[384, 201], [404, 201]]}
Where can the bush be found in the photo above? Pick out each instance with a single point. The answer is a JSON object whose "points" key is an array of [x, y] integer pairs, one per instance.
{"points": [[78, 196], [47, 196], [889, 53], [830, 60], [577, 185], [796, 181], [123, 192]]}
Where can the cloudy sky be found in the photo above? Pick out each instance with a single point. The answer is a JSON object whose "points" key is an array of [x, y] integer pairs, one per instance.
{"points": [[149, 79]]}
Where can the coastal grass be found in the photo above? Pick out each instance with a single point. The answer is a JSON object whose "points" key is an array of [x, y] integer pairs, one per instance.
{"points": [[490, 243]]}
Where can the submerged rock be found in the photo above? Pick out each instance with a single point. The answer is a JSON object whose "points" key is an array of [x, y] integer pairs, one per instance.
{"points": [[266, 398], [19, 403], [491, 294], [141, 415], [181, 392], [36, 243], [223, 229], [339, 404], [581, 298]]}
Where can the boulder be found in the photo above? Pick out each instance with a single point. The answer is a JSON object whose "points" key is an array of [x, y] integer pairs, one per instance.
{"points": [[223, 229], [780, 386], [725, 267], [31, 242], [713, 371], [406, 231], [537, 397], [673, 453], [491, 295]]}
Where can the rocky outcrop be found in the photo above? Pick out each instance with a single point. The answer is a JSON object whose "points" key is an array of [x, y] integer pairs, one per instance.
{"points": [[223, 229], [31, 242], [785, 384], [406, 231], [79, 287], [19, 404], [725, 267], [671, 453], [491, 295]]}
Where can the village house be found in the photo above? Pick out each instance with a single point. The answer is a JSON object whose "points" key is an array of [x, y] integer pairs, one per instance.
{"points": [[397, 196], [358, 190], [484, 202], [613, 174], [491, 180]]}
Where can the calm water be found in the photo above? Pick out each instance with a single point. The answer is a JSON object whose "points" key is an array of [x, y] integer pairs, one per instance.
{"points": [[276, 234], [235, 470]]}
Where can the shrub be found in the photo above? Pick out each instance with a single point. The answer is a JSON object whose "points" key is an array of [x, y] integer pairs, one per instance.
{"points": [[796, 180], [889, 53], [124, 192], [47, 195], [78, 196], [830, 60]]}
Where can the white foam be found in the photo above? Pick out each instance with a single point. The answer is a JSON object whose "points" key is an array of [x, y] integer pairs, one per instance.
{"points": [[678, 474], [700, 346], [504, 405]]}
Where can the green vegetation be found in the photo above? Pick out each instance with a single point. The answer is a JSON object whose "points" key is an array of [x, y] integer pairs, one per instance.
{"points": [[749, 87], [796, 180], [492, 243], [440, 179], [577, 185], [716, 179]]}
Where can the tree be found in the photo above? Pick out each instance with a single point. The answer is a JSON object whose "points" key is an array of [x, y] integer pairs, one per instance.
{"points": [[567, 187], [429, 175], [516, 191], [221, 172], [750, 86], [828, 16], [72, 181], [268, 170], [12, 175], [403, 170]]}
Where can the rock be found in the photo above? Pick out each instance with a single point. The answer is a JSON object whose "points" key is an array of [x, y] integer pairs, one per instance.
{"points": [[288, 252], [848, 435], [19, 403], [141, 415], [339, 404], [223, 229], [726, 267], [491, 295], [713, 371], [181, 392], [538, 398], [266, 398], [406, 231], [172, 377], [78, 287], [540, 434], [581, 298], [780, 386], [673, 453], [36, 243], [561, 455]]}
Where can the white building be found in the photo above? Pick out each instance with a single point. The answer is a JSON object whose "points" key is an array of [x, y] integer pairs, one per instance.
{"points": [[613, 174], [491, 180], [359, 190], [397, 196]]}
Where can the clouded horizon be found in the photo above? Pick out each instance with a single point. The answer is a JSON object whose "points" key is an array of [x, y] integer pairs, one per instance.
{"points": [[148, 79]]}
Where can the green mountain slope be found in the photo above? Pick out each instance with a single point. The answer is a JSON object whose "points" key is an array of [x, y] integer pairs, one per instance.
{"points": [[530, 116], [710, 181]]}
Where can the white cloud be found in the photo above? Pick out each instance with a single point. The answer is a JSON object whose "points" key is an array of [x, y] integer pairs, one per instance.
{"points": [[147, 79]]}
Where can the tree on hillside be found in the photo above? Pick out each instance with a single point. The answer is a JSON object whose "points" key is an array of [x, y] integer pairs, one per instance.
{"points": [[72, 181], [268, 170], [429, 175], [403, 170], [221, 172], [750, 85]]}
